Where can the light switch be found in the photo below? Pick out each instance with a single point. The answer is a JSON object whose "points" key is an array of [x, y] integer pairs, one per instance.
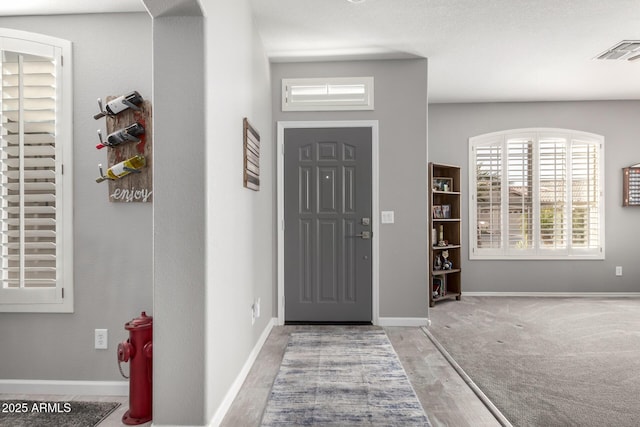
{"points": [[387, 217]]}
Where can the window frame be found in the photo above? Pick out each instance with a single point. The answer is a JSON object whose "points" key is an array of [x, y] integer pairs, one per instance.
{"points": [[505, 252], [59, 299], [328, 104]]}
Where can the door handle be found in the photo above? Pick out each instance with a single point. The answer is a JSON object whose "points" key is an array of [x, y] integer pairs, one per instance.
{"points": [[364, 235]]}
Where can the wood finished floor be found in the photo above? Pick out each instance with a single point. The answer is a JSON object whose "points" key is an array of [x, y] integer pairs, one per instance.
{"points": [[445, 397], [447, 400]]}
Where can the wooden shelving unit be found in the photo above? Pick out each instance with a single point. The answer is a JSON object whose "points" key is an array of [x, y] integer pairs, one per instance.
{"points": [[445, 281]]}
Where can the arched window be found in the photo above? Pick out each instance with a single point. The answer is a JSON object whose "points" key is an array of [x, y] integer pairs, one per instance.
{"points": [[35, 190], [536, 194]]}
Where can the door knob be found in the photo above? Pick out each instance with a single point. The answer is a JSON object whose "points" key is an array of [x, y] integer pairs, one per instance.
{"points": [[364, 235]]}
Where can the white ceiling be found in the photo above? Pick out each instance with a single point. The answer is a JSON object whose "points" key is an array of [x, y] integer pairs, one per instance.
{"points": [[54, 7], [478, 50]]}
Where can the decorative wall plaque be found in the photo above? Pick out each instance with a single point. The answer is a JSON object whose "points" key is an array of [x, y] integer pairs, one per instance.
{"points": [[631, 186], [251, 156]]}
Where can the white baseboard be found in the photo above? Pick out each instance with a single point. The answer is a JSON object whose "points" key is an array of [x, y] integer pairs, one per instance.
{"points": [[88, 388], [555, 294], [237, 384], [403, 321]]}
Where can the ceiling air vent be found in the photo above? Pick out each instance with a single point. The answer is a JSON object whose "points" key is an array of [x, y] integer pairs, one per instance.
{"points": [[625, 50]]}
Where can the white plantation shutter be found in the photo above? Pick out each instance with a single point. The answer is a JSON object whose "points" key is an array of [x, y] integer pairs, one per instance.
{"points": [[35, 232], [553, 193], [520, 193], [585, 186], [327, 94], [536, 194], [488, 220]]}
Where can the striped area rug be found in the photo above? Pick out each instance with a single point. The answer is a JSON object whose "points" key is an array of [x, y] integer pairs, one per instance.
{"points": [[342, 377]]}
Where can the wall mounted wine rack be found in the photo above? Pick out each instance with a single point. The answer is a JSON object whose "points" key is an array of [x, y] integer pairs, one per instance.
{"points": [[136, 187]]}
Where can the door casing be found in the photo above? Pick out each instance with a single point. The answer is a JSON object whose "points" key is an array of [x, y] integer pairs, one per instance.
{"points": [[375, 202]]}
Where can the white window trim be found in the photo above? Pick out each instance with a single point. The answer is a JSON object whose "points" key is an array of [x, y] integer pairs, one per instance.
{"points": [[535, 254], [61, 300], [327, 102]]}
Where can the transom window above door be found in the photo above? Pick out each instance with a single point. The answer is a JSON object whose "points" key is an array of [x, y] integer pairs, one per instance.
{"points": [[327, 94]]}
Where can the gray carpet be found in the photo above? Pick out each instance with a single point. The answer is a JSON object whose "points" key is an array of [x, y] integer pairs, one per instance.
{"points": [[342, 377], [29, 413], [548, 361]]}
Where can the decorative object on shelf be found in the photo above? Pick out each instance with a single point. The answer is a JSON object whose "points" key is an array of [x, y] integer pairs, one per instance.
{"points": [[116, 105], [129, 129], [446, 263], [631, 186], [442, 184], [128, 134], [251, 139], [122, 169], [437, 211], [438, 287], [437, 263], [441, 241], [446, 211]]}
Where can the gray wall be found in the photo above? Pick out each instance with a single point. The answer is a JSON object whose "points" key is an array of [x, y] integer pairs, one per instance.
{"points": [[450, 127], [202, 295], [241, 242], [179, 221], [112, 259], [401, 108], [214, 241]]}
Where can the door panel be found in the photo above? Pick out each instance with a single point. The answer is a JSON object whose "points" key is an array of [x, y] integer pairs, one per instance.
{"points": [[328, 271]]}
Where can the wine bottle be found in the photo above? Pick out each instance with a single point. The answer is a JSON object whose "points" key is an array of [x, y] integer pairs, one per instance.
{"points": [[119, 104], [130, 133], [122, 169]]}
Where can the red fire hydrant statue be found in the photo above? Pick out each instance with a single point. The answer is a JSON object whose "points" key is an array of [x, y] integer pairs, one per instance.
{"points": [[138, 349]]}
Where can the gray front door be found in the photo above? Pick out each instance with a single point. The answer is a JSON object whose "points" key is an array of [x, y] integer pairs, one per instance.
{"points": [[328, 223]]}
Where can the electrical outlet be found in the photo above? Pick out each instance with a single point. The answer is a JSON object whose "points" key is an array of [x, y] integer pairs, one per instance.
{"points": [[619, 270], [253, 314], [101, 339], [257, 308]]}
